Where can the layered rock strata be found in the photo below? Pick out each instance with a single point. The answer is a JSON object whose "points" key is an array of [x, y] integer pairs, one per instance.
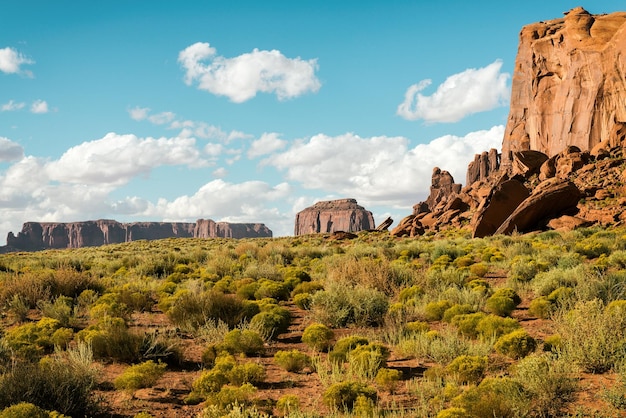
{"points": [[569, 85], [332, 216], [43, 235]]}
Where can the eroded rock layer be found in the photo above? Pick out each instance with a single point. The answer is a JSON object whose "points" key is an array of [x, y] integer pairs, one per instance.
{"points": [[569, 85], [333, 215], [43, 235]]}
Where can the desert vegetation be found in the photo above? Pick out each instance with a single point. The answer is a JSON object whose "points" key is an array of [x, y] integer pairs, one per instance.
{"points": [[438, 326]]}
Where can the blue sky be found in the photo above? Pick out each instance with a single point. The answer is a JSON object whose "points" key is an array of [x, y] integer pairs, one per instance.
{"points": [[247, 111]]}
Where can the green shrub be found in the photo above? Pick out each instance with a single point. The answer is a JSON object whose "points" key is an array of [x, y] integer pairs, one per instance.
{"points": [[416, 327], [593, 337], [231, 395], [303, 300], [60, 309], [507, 292], [271, 289], [495, 326], [343, 395], [366, 360], [112, 339], [292, 361], [467, 369], [288, 404], [467, 324], [452, 413], [192, 309], [32, 339], [500, 305], [553, 343], [388, 379], [541, 307], [434, 310], [525, 268], [140, 376], [344, 345], [240, 374], [209, 381], [409, 293], [272, 322], [493, 397], [455, 310], [61, 382], [318, 337], [516, 344], [247, 342], [24, 410], [479, 269], [547, 382], [341, 305], [307, 287]]}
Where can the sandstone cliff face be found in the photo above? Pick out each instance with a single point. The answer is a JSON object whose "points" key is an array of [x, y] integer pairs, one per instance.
{"points": [[333, 215], [569, 85], [42, 235]]}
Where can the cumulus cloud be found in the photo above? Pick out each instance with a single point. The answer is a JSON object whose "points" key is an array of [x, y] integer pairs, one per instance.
{"points": [[9, 150], [380, 170], [12, 106], [266, 144], [11, 62], [115, 159], [242, 77], [139, 113], [188, 128], [236, 202], [471, 91], [39, 106]]}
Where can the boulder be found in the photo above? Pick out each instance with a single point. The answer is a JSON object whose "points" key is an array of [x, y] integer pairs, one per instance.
{"points": [[568, 86], [497, 207], [384, 226], [527, 163], [409, 226], [333, 215], [568, 223], [549, 200]]}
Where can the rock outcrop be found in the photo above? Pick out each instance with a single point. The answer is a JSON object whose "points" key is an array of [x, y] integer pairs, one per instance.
{"points": [[562, 152], [549, 200], [569, 85], [332, 216], [42, 235], [483, 167]]}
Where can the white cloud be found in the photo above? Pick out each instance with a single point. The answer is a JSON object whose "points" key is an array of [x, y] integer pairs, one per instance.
{"points": [[266, 144], [115, 159], [380, 170], [11, 61], [9, 150], [12, 106], [39, 106], [238, 202], [139, 113], [471, 91], [220, 172], [242, 77]]}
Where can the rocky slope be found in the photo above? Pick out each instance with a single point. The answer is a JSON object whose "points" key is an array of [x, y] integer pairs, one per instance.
{"points": [[562, 163], [332, 216], [42, 235]]}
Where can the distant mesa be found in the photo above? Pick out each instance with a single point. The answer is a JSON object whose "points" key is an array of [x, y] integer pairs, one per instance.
{"points": [[55, 235], [333, 216]]}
